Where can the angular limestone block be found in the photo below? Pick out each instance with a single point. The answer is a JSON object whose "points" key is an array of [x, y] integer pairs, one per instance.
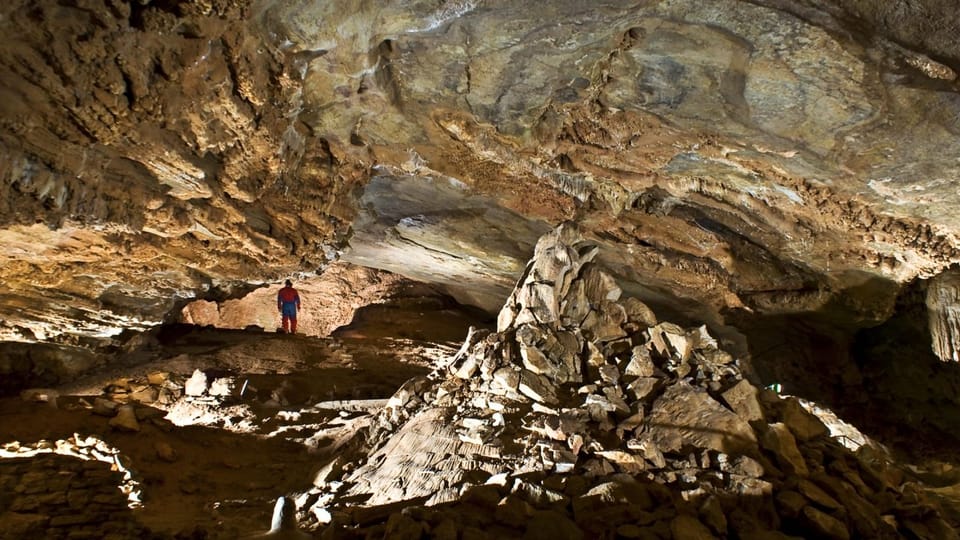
{"points": [[742, 398], [781, 443], [688, 416]]}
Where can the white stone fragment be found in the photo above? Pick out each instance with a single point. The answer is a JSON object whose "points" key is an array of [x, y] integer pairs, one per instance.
{"points": [[196, 385]]}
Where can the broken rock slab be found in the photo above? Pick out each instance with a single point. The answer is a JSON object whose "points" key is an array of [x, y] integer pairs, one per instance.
{"points": [[196, 385], [687, 416], [781, 443], [742, 398], [537, 388], [125, 420]]}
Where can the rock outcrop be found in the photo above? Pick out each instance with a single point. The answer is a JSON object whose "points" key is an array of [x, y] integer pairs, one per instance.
{"points": [[581, 418], [732, 155]]}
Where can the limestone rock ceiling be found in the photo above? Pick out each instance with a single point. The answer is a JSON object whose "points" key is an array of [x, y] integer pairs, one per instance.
{"points": [[774, 156]]}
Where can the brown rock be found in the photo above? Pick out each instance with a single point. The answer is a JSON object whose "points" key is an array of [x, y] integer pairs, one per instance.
{"points": [[711, 514], [688, 416], [551, 525], [790, 503], [640, 364], [818, 496], [742, 398], [401, 527], [165, 451], [145, 394], [125, 420], [639, 389], [824, 525], [513, 511], [863, 516], [689, 527], [157, 378], [639, 313], [803, 425], [778, 440], [104, 407], [537, 388]]}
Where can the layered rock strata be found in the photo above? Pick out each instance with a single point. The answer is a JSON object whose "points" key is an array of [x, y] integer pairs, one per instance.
{"points": [[765, 156], [583, 416]]}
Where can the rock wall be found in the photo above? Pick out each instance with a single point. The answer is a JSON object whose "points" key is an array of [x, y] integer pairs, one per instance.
{"points": [[25, 365], [328, 301], [151, 153], [764, 156], [943, 308]]}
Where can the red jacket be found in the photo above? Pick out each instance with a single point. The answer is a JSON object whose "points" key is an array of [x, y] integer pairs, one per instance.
{"points": [[288, 295]]}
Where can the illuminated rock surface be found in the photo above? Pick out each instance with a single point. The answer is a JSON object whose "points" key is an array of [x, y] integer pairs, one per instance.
{"points": [[767, 186]]}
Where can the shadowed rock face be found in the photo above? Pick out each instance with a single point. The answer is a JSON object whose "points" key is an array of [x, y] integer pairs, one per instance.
{"points": [[767, 157]]}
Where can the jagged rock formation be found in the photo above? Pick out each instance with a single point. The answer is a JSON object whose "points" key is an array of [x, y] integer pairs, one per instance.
{"points": [[732, 155], [584, 417], [724, 161]]}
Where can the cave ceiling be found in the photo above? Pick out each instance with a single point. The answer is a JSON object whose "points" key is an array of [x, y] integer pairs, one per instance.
{"points": [[764, 156]]}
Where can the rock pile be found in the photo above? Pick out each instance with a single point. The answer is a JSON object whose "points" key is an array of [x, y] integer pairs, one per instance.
{"points": [[583, 416], [79, 488]]}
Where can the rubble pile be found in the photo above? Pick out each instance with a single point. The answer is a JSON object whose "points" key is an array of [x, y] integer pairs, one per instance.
{"points": [[583, 416], [79, 487]]}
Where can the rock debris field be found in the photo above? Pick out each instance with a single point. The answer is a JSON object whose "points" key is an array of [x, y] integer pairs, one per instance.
{"points": [[581, 415]]}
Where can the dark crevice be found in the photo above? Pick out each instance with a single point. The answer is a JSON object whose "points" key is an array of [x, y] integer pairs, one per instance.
{"points": [[881, 376]]}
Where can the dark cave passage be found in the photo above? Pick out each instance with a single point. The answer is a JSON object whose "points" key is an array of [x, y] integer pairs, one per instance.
{"points": [[883, 378]]}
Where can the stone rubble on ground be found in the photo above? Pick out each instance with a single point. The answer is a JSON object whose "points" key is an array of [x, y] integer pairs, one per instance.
{"points": [[123, 480], [583, 416]]}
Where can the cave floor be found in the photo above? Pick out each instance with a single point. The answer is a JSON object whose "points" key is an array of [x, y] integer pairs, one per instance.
{"points": [[241, 452], [235, 455]]}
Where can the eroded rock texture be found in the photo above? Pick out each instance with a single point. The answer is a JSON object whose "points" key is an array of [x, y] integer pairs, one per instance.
{"points": [[769, 157], [583, 417], [943, 307]]}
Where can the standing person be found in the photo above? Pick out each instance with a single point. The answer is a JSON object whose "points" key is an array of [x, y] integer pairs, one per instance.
{"points": [[288, 303]]}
